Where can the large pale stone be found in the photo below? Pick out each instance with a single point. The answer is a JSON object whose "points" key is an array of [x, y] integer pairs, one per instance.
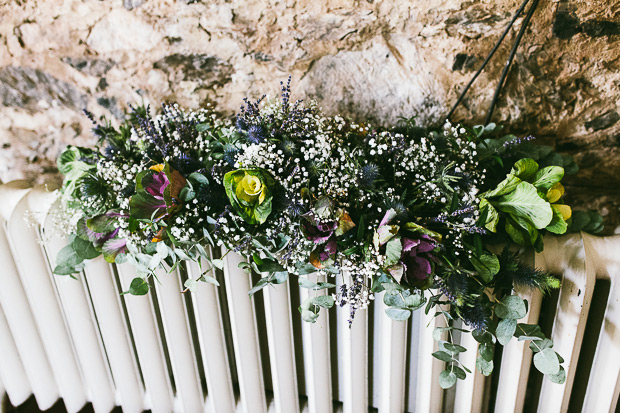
{"points": [[121, 30]]}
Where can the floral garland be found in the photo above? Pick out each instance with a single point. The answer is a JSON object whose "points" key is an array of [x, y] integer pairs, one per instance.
{"points": [[404, 210]]}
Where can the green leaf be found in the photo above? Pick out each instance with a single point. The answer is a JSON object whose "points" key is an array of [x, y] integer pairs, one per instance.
{"points": [[306, 283], [269, 265], [579, 220], [191, 284], [447, 379], [505, 330], [483, 337], [558, 378], [438, 332], [507, 186], [393, 300], [525, 202], [138, 286], [68, 257], [490, 213], [218, 263], [452, 348], [262, 283], [414, 301], [529, 332], [308, 315], [187, 194], [209, 279], [325, 301], [398, 314], [305, 268], [557, 224], [202, 127], [525, 169], [486, 351], [547, 362], [393, 251], [539, 345], [84, 248], [459, 372], [511, 306], [487, 266], [443, 356], [102, 223], [484, 366], [547, 177]]}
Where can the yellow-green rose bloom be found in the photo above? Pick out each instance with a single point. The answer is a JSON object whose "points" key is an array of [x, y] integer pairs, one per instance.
{"points": [[249, 192]]}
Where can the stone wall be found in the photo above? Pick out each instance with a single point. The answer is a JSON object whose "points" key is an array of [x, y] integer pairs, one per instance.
{"points": [[376, 60]]}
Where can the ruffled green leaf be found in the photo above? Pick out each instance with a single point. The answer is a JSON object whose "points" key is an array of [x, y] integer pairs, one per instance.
{"points": [[547, 177], [525, 202]]}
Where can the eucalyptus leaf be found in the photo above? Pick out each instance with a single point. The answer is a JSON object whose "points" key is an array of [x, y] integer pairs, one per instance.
{"points": [[138, 286], [484, 366], [398, 314], [511, 306], [505, 330], [546, 361], [559, 377], [447, 379], [443, 356]]}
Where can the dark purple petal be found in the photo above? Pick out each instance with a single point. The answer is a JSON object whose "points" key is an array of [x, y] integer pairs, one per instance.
{"points": [[331, 246], [327, 226], [423, 268], [409, 243], [425, 246], [313, 234], [155, 184]]}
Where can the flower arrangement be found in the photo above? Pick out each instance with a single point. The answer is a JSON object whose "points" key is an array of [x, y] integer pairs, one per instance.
{"points": [[405, 210]]}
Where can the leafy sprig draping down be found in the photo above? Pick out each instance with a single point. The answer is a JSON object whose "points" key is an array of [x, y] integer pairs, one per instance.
{"points": [[407, 211]]}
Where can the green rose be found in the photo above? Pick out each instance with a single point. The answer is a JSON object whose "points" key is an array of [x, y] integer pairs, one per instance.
{"points": [[249, 191]]}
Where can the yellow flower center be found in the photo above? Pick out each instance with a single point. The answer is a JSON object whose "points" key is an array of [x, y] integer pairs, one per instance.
{"points": [[250, 189]]}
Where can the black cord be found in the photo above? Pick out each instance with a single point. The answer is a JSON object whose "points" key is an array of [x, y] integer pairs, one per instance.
{"points": [[488, 58], [513, 52]]}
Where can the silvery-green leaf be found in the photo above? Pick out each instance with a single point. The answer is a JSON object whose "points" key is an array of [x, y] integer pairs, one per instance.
{"points": [[485, 367], [511, 306], [546, 361], [505, 330], [398, 314], [447, 379]]}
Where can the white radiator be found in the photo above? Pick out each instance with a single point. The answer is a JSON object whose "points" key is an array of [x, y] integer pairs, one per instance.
{"points": [[217, 350]]}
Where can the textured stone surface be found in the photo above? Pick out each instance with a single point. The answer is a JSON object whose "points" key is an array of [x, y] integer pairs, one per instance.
{"points": [[372, 60]]}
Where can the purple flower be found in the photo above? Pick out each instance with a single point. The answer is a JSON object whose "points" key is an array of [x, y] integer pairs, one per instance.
{"points": [[416, 257]]}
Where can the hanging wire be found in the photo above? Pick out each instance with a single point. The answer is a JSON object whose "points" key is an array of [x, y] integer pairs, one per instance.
{"points": [[492, 52], [513, 52]]}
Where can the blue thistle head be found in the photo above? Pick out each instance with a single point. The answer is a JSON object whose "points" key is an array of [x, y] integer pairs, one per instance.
{"points": [[241, 125], [368, 175], [185, 164], [256, 134], [230, 153], [475, 316]]}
